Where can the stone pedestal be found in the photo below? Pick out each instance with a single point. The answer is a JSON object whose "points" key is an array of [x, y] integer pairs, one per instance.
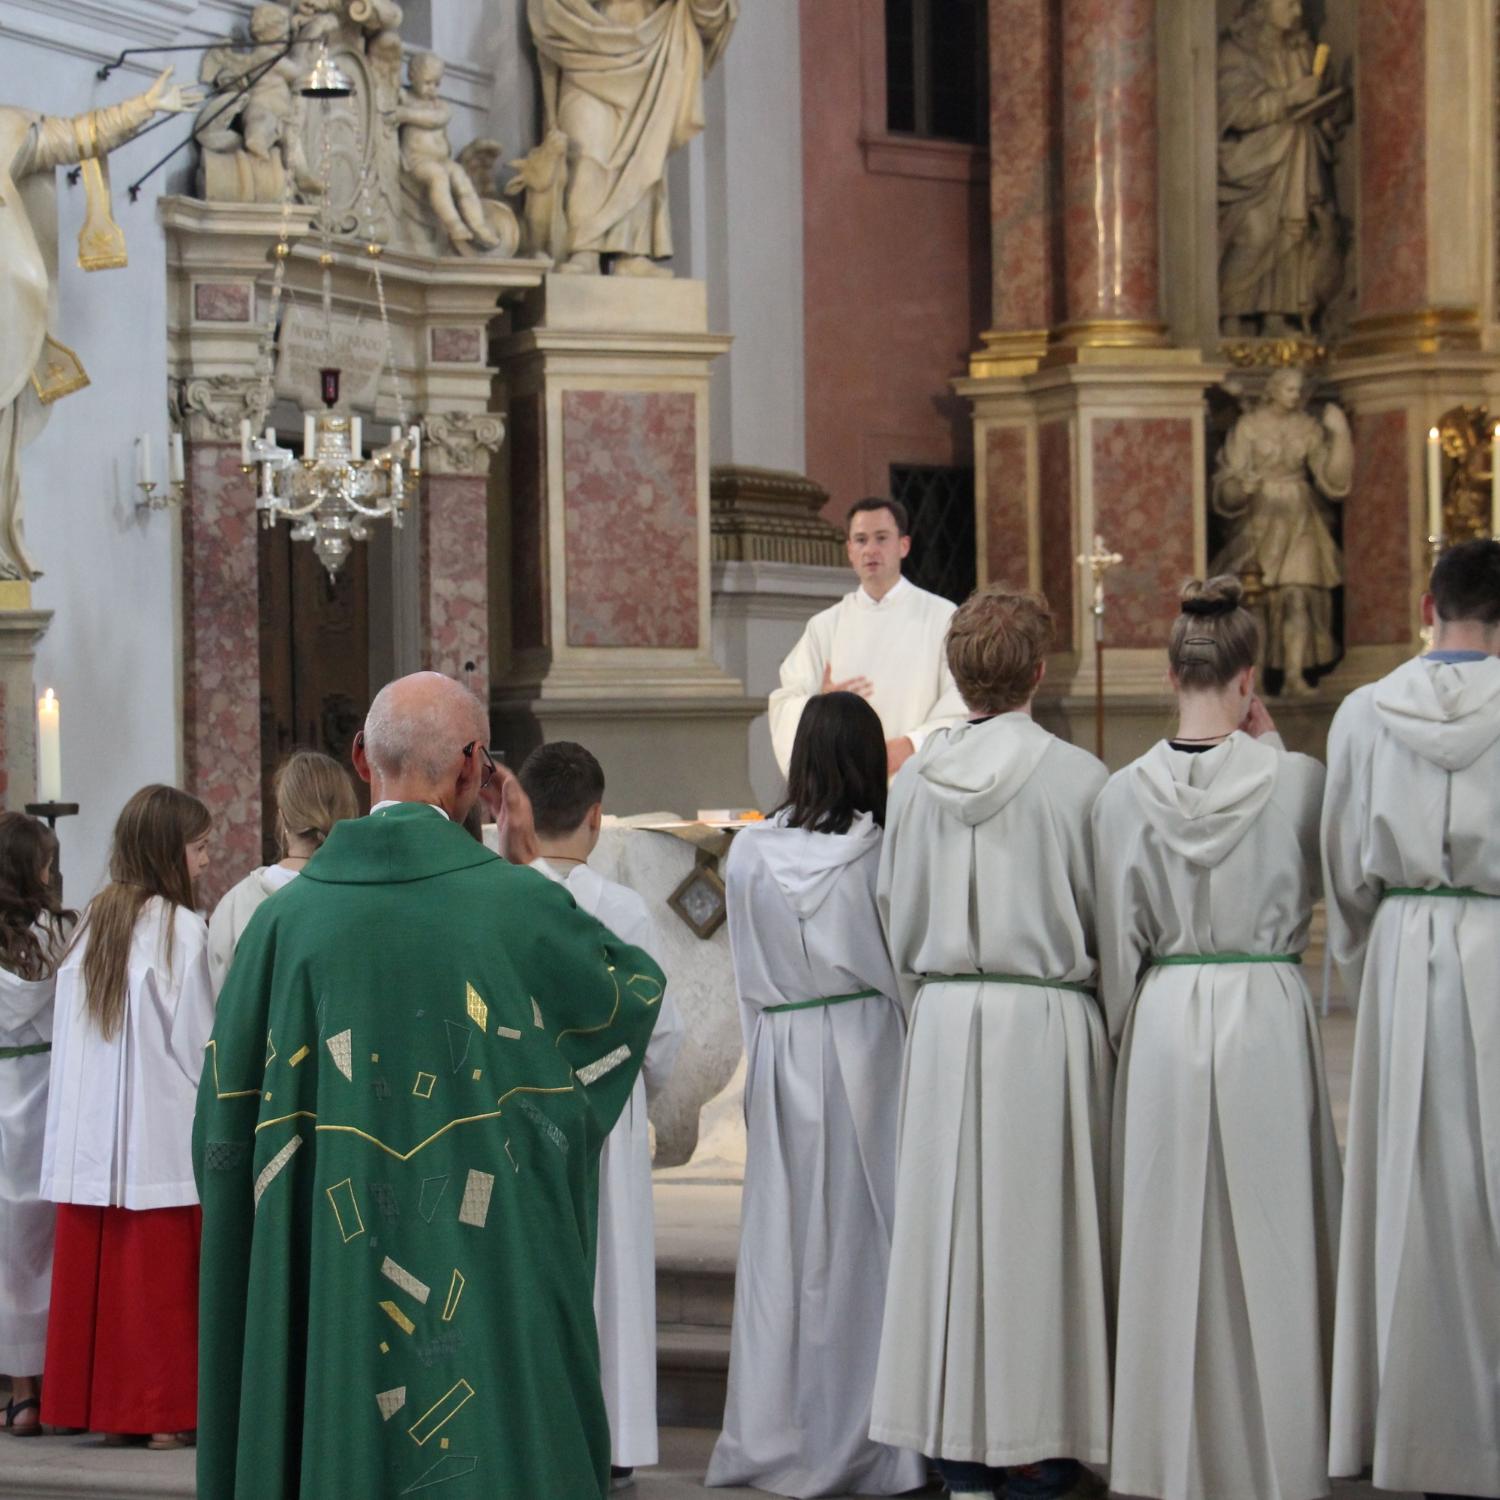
{"points": [[609, 624], [20, 630]]}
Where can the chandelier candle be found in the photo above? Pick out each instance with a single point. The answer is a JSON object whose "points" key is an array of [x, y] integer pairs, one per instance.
{"points": [[48, 748]]}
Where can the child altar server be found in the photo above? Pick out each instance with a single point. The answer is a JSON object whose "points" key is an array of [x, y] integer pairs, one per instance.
{"points": [[994, 1358], [823, 1038], [566, 786], [32, 932], [1226, 1175], [1411, 843], [133, 1015]]}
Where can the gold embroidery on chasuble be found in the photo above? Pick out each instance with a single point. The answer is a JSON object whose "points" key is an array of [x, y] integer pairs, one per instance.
{"points": [[441, 1412], [398, 1317], [345, 1205]]}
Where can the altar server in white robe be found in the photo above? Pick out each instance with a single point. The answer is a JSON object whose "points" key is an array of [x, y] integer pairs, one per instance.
{"points": [[32, 933], [994, 1357], [823, 1038], [1226, 1172], [566, 786], [133, 1015], [884, 642], [1411, 840]]}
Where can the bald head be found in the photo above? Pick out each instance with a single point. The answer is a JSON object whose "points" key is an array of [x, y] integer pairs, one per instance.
{"points": [[417, 727]]}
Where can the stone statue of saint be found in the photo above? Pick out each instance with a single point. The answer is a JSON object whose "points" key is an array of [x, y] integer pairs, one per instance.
{"points": [[1277, 474], [623, 80], [1280, 260], [428, 157], [35, 369]]}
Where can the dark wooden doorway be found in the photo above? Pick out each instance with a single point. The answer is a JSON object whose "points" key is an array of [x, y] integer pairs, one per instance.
{"points": [[314, 660]]}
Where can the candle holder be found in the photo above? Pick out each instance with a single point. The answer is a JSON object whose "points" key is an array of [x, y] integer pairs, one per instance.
{"points": [[52, 811], [150, 500]]}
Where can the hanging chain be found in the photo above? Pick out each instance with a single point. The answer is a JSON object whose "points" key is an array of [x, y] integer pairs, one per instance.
{"points": [[374, 249]]}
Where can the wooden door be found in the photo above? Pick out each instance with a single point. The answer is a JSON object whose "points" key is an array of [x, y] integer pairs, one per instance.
{"points": [[314, 659]]}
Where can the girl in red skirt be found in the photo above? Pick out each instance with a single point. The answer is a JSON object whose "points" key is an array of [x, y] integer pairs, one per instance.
{"points": [[134, 1010]]}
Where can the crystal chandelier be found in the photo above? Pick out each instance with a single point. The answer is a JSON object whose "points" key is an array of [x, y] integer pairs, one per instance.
{"points": [[332, 490]]}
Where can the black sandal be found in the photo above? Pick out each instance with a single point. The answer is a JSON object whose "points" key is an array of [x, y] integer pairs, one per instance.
{"points": [[13, 1409]]}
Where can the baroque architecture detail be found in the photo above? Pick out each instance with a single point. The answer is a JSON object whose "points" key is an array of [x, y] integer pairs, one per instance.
{"points": [[460, 442]]}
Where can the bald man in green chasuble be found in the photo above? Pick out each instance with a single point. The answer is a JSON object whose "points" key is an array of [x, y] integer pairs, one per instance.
{"points": [[418, 1054]]}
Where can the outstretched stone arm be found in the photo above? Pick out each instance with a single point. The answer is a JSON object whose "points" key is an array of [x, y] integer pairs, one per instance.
{"points": [[65, 140]]}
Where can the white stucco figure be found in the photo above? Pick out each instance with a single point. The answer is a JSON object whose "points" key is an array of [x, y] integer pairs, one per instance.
{"points": [[1280, 260], [1275, 473], [623, 80], [35, 369], [428, 158]]}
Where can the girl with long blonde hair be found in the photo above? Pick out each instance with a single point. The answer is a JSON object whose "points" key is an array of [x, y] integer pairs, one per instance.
{"points": [[134, 1011]]}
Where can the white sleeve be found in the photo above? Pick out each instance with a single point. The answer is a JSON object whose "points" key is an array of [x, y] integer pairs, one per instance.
{"points": [[945, 713], [193, 992], [801, 679], [221, 941], [1352, 897]]}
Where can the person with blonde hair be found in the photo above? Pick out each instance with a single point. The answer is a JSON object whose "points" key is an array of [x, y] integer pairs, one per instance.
{"points": [[994, 1355], [32, 932], [313, 792], [1226, 1172], [133, 1014]]}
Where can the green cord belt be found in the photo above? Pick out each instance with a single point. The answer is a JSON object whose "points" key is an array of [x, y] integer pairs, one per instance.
{"points": [[31, 1051], [1030, 980], [1460, 892], [1184, 960], [776, 1010]]}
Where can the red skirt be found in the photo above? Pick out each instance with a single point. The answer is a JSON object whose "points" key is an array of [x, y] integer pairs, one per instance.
{"points": [[122, 1333]]}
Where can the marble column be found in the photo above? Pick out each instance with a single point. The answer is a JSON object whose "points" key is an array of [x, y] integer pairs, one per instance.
{"points": [[456, 451], [1109, 174]]}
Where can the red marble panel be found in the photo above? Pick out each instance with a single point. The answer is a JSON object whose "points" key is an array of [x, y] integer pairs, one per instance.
{"points": [[221, 658], [1023, 163], [529, 625], [1006, 540], [630, 487], [222, 302], [1109, 159], [456, 573], [1391, 123], [1378, 581], [1143, 506], [457, 346], [1059, 545]]}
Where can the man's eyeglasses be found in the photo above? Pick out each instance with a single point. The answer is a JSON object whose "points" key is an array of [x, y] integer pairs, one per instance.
{"points": [[488, 774]]}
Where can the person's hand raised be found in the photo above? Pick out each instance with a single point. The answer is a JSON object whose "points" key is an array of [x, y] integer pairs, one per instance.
{"points": [[510, 808], [860, 685], [1258, 720]]}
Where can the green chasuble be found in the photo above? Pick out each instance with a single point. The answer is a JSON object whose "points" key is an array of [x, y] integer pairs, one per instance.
{"points": [[417, 1057]]}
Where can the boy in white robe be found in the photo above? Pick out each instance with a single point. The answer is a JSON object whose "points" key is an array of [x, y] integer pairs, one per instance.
{"points": [[566, 787], [1411, 845], [884, 642], [994, 1355]]}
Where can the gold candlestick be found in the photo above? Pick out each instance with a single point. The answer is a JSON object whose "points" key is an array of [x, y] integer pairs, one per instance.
{"points": [[1098, 563]]}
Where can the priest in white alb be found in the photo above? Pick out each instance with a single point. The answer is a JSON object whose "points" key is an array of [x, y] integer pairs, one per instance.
{"points": [[1411, 849], [566, 786], [884, 641]]}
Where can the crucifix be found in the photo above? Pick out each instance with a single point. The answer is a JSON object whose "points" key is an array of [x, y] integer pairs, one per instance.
{"points": [[1098, 563]]}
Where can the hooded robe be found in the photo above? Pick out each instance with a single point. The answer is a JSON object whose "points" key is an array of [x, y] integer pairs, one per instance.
{"points": [[1226, 1172], [995, 1347], [418, 1054], [820, 1168], [1414, 802]]}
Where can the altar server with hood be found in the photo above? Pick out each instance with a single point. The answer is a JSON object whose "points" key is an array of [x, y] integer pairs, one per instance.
{"points": [[566, 787], [418, 1054], [1226, 1172], [823, 1038], [884, 642], [1411, 840], [994, 1357]]}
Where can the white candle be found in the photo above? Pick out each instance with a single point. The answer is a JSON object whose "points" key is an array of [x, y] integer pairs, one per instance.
{"points": [[178, 474], [356, 438], [1495, 484], [245, 440], [416, 447], [1434, 483], [270, 437], [395, 436], [48, 748], [143, 459]]}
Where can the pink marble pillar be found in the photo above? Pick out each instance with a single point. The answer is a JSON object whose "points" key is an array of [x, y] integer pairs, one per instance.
{"points": [[1109, 172], [1024, 226], [221, 658]]}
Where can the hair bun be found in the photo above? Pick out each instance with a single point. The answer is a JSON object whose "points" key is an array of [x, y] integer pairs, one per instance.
{"points": [[1212, 597]]}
